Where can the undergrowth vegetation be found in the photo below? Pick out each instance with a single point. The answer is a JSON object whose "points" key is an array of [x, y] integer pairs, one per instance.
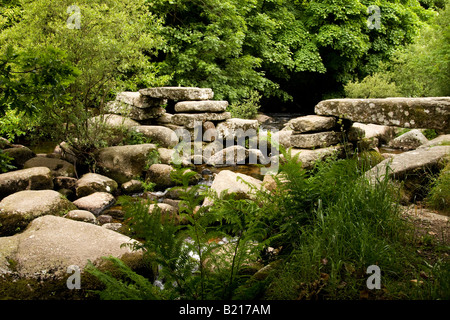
{"points": [[313, 237]]}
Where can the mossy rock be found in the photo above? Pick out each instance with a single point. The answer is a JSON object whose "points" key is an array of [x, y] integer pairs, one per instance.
{"points": [[34, 264], [19, 209]]}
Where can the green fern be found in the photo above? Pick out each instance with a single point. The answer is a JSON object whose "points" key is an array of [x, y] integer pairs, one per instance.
{"points": [[130, 286]]}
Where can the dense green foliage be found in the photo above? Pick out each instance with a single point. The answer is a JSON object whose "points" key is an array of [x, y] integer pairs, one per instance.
{"points": [[34, 79], [416, 70], [238, 46], [110, 52], [286, 50]]}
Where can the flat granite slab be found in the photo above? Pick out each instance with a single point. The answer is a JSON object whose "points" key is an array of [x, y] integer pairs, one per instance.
{"points": [[178, 93], [423, 113]]}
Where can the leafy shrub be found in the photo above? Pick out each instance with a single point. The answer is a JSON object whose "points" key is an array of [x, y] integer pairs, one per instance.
{"points": [[246, 109], [15, 124], [76, 71], [430, 134], [5, 162], [377, 85]]}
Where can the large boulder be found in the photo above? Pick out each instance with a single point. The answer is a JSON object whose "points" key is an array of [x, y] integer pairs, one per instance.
{"points": [[166, 155], [228, 157], [409, 164], [42, 254], [188, 120], [139, 101], [284, 137], [315, 140], [237, 183], [134, 113], [123, 163], [113, 121], [383, 133], [438, 141], [132, 186], [18, 209], [308, 157], [178, 93], [20, 155], [39, 178], [96, 202], [160, 135], [162, 176], [235, 127], [201, 106], [59, 168], [409, 141], [432, 112], [312, 123], [93, 182], [81, 215]]}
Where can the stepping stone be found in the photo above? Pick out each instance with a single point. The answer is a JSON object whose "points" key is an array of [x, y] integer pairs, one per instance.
{"points": [[123, 163], [315, 140], [134, 113], [139, 101], [178, 93], [312, 123], [188, 119], [20, 208], [93, 182], [20, 155], [411, 163], [201, 106], [51, 244], [163, 136], [38, 178], [81, 215], [430, 113], [228, 180], [95, 202], [59, 168]]}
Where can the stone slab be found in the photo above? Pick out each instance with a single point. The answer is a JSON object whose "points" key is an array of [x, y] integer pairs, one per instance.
{"points": [[201, 106], [178, 93], [315, 140], [426, 113]]}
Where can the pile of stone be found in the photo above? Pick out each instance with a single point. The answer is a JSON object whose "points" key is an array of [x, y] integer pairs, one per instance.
{"points": [[312, 132], [145, 112], [191, 104], [136, 106]]}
